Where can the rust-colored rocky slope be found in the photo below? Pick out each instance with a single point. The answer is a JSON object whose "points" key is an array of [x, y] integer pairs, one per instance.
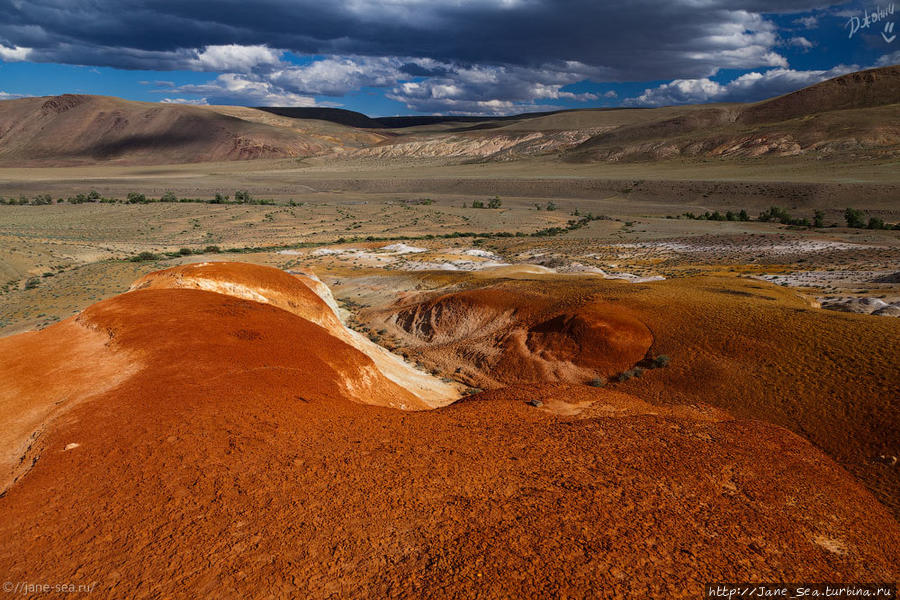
{"points": [[230, 450], [754, 349], [507, 334]]}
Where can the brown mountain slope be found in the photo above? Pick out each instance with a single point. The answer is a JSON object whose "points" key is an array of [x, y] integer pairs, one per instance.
{"points": [[75, 129], [856, 113], [230, 462], [853, 115], [863, 89]]}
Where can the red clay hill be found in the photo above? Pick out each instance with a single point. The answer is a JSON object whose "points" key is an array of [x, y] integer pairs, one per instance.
{"points": [[192, 443], [507, 334]]}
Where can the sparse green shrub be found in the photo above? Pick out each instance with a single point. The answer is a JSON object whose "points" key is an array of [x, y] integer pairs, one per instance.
{"points": [[776, 214], [854, 218], [875, 223], [819, 218], [597, 382], [41, 200], [661, 361], [212, 250], [144, 256]]}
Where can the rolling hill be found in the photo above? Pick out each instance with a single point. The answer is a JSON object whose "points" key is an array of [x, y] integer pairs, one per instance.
{"points": [[79, 129], [852, 115]]}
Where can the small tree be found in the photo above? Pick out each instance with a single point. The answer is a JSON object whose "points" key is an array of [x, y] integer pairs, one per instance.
{"points": [[819, 218], [854, 218], [494, 202], [875, 223]]}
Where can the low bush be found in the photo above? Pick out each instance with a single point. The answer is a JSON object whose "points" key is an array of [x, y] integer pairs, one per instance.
{"points": [[144, 256]]}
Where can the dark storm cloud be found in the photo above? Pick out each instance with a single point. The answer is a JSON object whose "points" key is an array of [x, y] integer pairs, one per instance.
{"points": [[473, 56], [638, 41], [416, 70]]}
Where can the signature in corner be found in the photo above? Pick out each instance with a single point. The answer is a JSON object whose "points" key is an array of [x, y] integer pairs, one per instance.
{"points": [[888, 28], [868, 19]]}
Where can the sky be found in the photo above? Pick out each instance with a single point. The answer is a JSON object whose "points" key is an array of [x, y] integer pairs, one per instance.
{"points": [[400, 57]]}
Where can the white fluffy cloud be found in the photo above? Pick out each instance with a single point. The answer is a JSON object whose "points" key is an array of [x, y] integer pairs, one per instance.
{"points": [[491, 89], [235, 58], [746, 88], [800, 42], [243, 89], [14, 54], [190, 101], [336, 76], [887, 60], [423, 85]]}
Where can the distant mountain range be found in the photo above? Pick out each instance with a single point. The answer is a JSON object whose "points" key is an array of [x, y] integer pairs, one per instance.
{"points": [[857, 114]]}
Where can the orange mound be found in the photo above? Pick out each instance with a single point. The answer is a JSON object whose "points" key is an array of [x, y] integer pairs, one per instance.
{"points": [[184, 337], [43, 375], [506, 334], [250, 282], [305, 296]]}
